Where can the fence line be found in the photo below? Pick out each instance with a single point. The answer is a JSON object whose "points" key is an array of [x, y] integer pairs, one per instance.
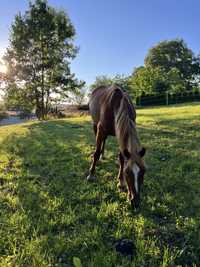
{"points": [[168, 99]]}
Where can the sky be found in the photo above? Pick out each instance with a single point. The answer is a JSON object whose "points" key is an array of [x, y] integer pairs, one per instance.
{"points": [[114, 35]]}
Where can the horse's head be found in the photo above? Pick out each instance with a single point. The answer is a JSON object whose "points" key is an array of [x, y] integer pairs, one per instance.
{"points": [[134, 170]]}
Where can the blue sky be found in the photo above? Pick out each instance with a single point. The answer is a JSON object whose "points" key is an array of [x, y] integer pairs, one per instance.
{"points": [[115, 35]]}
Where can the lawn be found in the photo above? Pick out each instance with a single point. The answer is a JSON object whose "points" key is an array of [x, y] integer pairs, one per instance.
{"points": [[49, 213]]}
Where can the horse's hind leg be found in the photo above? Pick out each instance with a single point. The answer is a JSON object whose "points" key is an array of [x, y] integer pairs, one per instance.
{"points": [[95, 129], [99, 139], [121, 184]]}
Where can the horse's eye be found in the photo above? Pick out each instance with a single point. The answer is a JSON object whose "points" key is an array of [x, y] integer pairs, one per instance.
{"points": [[142, 152]]}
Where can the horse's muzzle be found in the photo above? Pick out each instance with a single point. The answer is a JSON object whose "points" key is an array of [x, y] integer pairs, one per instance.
{"points": [[135, 203]]}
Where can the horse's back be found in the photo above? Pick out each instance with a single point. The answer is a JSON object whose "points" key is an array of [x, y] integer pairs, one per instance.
{"points": [[96, 101], [103, 102]]}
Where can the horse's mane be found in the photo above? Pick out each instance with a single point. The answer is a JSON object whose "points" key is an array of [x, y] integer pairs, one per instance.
{"points": [[125, 125]]}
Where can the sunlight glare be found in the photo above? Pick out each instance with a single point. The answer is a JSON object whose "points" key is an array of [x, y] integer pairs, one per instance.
{"points": [[3, 68]]}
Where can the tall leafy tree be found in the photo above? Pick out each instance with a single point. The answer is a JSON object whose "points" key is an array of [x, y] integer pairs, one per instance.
{"points": [[147, 80], [38, 57], [174, 54], [155, 80]]}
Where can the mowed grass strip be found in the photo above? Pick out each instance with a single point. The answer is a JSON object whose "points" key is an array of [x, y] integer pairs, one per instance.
{"points": [[49, 213]]}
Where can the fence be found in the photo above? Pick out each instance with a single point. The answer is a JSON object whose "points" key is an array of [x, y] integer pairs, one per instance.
{"points": [[168, 99]]}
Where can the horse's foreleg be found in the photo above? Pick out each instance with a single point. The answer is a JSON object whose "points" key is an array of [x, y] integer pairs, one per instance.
{"points": [[121, 184], [96, 156], [103, 148], [103, 142]]}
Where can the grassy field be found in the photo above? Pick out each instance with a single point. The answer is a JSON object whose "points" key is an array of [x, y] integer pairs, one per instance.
{"points": [[49, 213]]}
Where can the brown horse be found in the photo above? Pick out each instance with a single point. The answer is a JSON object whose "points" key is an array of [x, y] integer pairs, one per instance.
{"points": [[114, 114]]}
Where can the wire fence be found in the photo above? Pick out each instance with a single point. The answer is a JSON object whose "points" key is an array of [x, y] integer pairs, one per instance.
{"points": [[168, 99]]}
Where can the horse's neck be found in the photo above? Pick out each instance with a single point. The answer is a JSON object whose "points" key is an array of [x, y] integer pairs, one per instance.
{"points": [[133, 140], [126, 133], [125, 128]]}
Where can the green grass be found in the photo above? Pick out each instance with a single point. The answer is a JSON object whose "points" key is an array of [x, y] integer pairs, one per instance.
{"points": [[49, 213]]}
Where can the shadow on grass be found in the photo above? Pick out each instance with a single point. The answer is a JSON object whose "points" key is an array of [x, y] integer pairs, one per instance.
{"points": [[54, 198]]}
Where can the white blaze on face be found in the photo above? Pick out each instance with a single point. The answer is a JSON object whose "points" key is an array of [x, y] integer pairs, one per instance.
{"points": [[136, 170]]}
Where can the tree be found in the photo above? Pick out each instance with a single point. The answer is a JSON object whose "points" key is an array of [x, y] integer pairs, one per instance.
{"points": [[78, 97], [121, 80], [148, 81], [2, 73], [152, 81], [170, 66], [101, 80], [2, 77], [38, 57], [124, 82], [174, 54], [175, 82]]}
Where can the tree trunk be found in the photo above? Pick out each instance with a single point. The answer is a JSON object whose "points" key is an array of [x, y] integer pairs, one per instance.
{"points": [[43, 112]]}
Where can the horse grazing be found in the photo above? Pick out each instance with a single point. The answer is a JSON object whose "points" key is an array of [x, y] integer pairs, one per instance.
{"points": [[114, 114]]}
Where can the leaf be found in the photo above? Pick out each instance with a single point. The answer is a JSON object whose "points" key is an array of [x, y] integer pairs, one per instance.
{"points": [[77, 262]]}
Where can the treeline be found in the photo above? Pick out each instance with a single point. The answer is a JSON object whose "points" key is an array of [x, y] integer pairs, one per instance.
{"points": [[169, 66], [42, 47]]}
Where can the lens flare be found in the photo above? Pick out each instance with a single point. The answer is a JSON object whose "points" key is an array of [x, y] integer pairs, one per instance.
{"points": [[3, 68]]}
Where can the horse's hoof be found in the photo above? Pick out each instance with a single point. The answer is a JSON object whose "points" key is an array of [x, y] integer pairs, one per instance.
{"points": [[122, 188], [91, 178], [135, 204]]}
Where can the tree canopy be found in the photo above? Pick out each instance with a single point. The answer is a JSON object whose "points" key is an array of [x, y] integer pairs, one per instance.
{"points": [[170, 66], [151, 81], [38, 58], [174, 54]]}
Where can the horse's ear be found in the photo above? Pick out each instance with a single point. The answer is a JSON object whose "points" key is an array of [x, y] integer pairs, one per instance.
{"points": [[127, 155], [142, 152]]}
